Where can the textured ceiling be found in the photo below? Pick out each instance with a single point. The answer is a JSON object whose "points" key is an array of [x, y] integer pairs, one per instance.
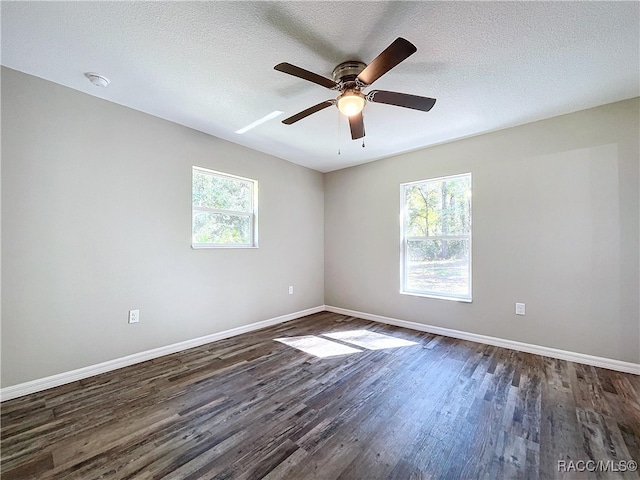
{"points": [[209, 65]]}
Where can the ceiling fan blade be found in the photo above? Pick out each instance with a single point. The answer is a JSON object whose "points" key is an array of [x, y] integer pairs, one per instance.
{"points": [[356, 122], [307, 112], [401, 100], [305, 75], [395, 53]]}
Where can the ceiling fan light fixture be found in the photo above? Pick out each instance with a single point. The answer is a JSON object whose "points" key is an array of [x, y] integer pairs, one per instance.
{"points": [[351, 102]]}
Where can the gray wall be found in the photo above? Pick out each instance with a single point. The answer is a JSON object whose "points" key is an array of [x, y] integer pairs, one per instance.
{"points": [[96, 220], [555, 225]]}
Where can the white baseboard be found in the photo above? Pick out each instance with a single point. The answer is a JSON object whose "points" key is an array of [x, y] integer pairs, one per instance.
{"points": [[609, 363], [40, 384]]}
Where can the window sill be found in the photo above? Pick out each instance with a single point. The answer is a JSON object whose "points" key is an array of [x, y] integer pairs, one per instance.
{"points": [[437, 297], [210, 247]]}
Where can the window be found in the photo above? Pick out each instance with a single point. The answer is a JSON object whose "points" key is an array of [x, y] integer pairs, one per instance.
{"points": [[224, 210], [436, 237]]}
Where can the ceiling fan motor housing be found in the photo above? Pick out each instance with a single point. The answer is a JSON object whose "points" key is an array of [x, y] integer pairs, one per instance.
{"points": [[346, 72]]}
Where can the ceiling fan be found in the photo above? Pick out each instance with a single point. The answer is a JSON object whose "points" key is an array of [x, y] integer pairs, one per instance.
{"points": [[351, 78]]}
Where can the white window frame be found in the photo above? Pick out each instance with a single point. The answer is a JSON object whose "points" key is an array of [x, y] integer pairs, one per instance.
{"points": [[405, 239], [252, 214]]}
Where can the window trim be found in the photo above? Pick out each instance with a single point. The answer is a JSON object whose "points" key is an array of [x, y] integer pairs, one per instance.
{"points": [[252, 215], [404, 239]]}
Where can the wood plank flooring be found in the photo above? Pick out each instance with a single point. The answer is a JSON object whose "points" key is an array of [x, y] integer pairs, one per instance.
{"points": [[249, 407]]}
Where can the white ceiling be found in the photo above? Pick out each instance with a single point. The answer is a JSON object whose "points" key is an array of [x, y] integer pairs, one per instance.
{"points": [[209, 65]]}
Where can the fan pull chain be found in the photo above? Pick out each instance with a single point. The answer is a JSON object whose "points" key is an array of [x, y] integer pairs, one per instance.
{"points": [[339, 130]]}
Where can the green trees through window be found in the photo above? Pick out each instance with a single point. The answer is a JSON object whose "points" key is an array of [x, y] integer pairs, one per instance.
{"points": [[436, 237], [224, 210]]}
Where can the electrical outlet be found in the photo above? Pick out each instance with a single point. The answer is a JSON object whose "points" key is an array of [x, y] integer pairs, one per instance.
{"points": [[290, 289], [134, 316], [520, 309]]}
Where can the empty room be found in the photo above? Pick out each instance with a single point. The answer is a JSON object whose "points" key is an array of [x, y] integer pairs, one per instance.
{"points": [[320, 240]]}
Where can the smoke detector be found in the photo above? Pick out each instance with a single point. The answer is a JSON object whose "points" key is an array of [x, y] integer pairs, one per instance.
{"points": [[97, 80]]}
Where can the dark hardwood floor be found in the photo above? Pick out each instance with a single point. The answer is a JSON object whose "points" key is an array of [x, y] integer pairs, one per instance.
{"points": [[249, 407]]}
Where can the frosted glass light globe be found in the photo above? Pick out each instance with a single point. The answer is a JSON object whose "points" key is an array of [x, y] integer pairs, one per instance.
{"points": [[351, 102]]}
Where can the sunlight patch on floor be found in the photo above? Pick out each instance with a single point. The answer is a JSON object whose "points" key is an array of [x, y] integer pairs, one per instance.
{"points": [[369, 340], [320, 347]]}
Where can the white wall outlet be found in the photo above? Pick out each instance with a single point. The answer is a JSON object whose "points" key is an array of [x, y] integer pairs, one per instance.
{"points": [[520, 309], [134, 316], [290, 289]]}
